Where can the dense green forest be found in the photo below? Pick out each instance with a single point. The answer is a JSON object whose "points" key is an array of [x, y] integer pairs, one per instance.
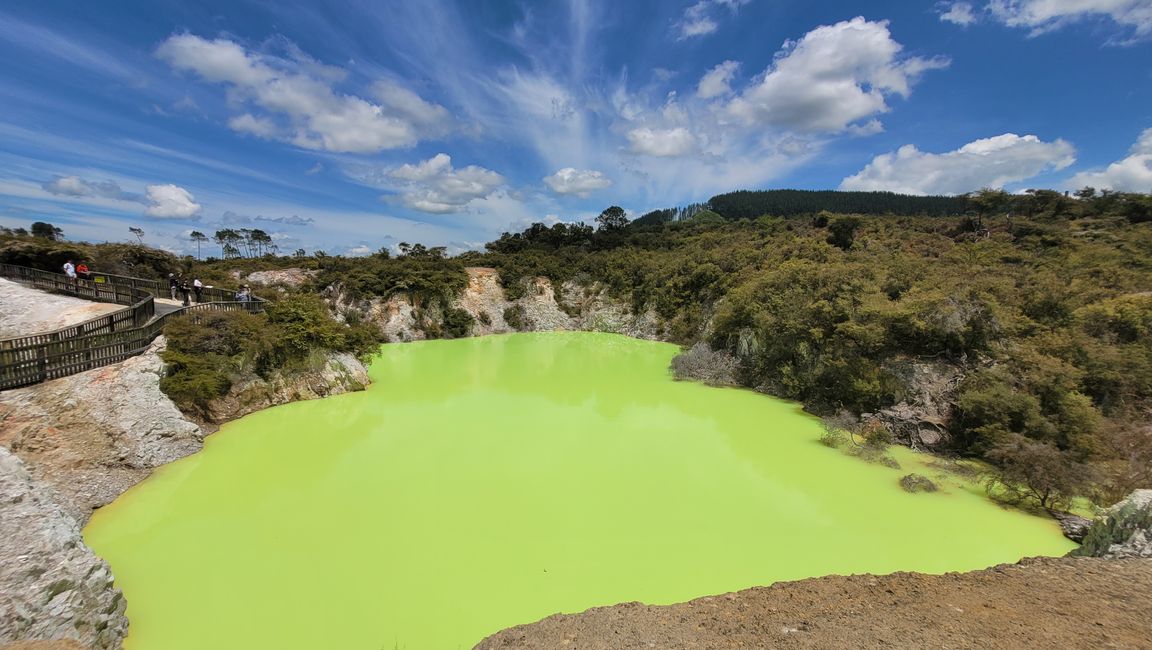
{"points": [[1042, 301], [789, 203]]}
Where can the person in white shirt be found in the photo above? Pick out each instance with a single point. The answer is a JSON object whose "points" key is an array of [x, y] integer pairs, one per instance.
{"points": [[70, 271], [198, 287]]}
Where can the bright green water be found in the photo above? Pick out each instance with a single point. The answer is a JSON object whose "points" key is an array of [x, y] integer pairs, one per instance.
{"points": [[483, 483]]}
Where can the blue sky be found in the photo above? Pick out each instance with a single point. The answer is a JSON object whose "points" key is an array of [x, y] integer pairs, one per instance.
{"points": [[348, 126]]}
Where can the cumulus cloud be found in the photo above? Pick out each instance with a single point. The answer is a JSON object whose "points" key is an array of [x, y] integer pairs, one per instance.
{"points": [[664, 143], [702, 18], [79, 187], [989, 162], [1040, 16], [580, 182], [1130, 174], [959, 13], [171, 202], [434, 186], [831, 78], [717, 81], [299, 102]]}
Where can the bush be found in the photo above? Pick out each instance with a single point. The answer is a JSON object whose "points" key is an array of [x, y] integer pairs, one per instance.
{"points": [[516, 317], [1035, 474], [702, 363], [207, 350], [1116, 528], [457, 323]]}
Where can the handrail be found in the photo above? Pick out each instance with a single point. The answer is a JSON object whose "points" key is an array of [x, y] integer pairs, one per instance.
{"points": [[94, 343], [141, 305]]}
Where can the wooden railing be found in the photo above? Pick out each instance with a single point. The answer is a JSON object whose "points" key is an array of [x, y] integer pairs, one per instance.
{"points": [[100, 341]]}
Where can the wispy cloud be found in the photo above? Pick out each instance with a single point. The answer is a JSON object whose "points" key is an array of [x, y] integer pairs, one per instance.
{"points": [[703, 17], [299, 102]]}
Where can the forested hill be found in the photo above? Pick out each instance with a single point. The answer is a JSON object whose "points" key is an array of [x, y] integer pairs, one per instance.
{"points": [[746, 204]]}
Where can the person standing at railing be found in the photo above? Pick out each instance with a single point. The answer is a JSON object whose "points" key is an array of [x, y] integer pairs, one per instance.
{"points": [[198, 287], [244, 294], [185, 290], [82, 271], [70, 271], [173, 285]]}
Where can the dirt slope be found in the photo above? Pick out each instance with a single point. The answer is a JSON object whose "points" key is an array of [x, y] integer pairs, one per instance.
{"points": [[1042, 603]]}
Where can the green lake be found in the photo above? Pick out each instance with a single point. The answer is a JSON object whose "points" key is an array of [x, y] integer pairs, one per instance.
{"points": [[482, 483]]}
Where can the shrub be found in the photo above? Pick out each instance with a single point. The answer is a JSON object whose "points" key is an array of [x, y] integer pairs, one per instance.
{"points": [[702, 363], [1116, 528], [1030, 473], [516, 317], [457, 323]]}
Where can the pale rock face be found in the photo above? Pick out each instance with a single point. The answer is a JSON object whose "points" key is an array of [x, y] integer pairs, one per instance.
{"points": [[578, 307], [95, 434], [484, 299], [1139, 544], [52, 586], [286, 277], [329, 374]]}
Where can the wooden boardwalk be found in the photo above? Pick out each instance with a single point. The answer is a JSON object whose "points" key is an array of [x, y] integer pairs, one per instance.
{"points": [[103, 340]]}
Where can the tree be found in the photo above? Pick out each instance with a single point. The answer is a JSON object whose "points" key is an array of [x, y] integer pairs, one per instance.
{"points": [[228, 240], [613, 218], [139, 232], [842, 232], [199, 238], [1037, 473], [300, 252], [47, 231]]}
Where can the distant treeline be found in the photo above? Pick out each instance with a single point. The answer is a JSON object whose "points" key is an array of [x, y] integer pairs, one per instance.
{"points": [[746, 204]]}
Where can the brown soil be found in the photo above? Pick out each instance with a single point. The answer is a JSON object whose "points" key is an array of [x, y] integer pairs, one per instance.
{"points": [[1040, 603]]}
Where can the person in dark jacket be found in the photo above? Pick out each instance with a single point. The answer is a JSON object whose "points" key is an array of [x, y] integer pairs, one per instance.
{"points": [[173, 285], [185, 291]]}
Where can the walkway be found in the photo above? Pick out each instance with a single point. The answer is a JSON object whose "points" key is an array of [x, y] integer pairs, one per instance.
{"points": [[103, 340]]}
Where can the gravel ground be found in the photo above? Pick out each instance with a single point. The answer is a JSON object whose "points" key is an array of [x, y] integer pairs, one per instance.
{"points": [[26, 311], [1039, 603]]}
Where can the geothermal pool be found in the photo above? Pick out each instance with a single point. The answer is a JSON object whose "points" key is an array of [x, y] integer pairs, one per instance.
{"points": [[482, 483]]}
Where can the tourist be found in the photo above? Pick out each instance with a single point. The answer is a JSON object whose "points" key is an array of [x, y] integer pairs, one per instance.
{"points": [[244, 294], [198, 287], [70, 271], [185, 290], [82, 271], [173, 285]]}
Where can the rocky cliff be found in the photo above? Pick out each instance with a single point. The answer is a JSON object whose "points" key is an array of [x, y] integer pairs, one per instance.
{"points": [[93, 435], [52, 586], [577, 307], [324, 374]]}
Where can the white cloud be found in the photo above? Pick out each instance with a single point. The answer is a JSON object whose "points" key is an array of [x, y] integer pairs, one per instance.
{"points": [[989, 162], [959, 13], [1042, 16], [1130, 174], [79, 187], [665, 143], [832, 77], [435, 186], [300, 103], [717, 81], [257, 126], [700, 19], [171, 202], [580, 182]]}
